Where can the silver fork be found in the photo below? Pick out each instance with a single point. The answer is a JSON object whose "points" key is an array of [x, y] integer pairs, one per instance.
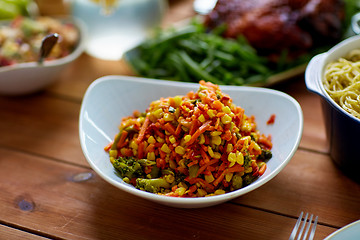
{"points": [[307, 223]]}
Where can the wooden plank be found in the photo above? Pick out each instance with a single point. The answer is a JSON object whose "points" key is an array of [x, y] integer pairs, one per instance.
{"points": [[42, 195], [74, 81], [42, 125], [9, 233], [312, 183]]}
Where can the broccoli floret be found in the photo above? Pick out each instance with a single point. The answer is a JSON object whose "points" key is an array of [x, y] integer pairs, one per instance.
{"points": [[248, 179], [151, 185], [128, 167], [265, 155]]}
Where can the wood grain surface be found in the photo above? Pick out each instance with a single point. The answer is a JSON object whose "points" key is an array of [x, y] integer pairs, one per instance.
{"points": [[48, 189]]}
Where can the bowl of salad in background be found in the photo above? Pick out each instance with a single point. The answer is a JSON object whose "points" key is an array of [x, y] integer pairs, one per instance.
{"points": [[110, 98], [20, 43]]}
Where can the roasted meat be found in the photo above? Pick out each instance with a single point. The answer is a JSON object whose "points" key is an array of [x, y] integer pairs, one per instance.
{"points": [[272, 26]]}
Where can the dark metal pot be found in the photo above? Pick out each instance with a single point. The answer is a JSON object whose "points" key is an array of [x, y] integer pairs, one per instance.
{"points": [[342, 128]]}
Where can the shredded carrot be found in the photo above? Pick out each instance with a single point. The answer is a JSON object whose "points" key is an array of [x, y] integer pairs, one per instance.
{"points": [[262, 169], [202, 134], [143, 130], [170, 128], [271, 120], [108, 147], [199, 131], [141, 150], [122, 139], [203, 167]]}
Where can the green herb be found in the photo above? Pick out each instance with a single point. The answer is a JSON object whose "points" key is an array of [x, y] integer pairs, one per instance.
{"points": [[191, 54]]}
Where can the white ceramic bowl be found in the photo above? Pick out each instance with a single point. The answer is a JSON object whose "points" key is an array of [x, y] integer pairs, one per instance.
{"points": [[110, 98], [29, 77]]}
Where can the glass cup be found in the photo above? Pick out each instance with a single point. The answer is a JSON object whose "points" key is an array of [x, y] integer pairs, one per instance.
{"points": [[115, 26]]}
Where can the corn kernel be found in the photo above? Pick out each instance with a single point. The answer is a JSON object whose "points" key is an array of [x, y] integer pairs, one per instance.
{"points": [[177, 100], [228, 176], [165, 148], [187, 138], [226, 109], [112, 160], [180, 191], [113, 153], [202, 139], [183, 185], [211, 113], [180, 150], [158, 113], [169, 178], [232, 159], [168, 117], [126, 179], [229, 148], [247, 140], [134, 145], [201, 118], [246, 126], [226, 119], [201, 192], [159, 139], [210, 151], [151, 139], [151, 156], [172, 139], [257, 147], [217, 155], [260, 164], [141, 120], [172, 164], [239, 158], [182, 163], [209, 178], [215, 133], [248, 170], [123, 151], [201, 94], [219, 192], [216, 140]]}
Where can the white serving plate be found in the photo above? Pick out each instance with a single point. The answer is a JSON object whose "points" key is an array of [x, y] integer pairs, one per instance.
{"points": [[110, 98], [349, 232]]}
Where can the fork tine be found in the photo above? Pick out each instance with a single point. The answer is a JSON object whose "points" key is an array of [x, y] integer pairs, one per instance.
{"points": [[308, 226], [294, 231], [303, 226], [312, 233]]}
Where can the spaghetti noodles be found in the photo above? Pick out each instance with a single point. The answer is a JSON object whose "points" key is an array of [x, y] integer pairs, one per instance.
{"points": [[342, 82]]}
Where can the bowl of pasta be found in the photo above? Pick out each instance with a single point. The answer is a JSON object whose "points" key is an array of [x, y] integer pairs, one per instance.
{"points": [[335, 76]]}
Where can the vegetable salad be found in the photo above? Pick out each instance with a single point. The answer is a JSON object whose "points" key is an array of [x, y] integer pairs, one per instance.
{"points": [[20, 41], [196, 145]]}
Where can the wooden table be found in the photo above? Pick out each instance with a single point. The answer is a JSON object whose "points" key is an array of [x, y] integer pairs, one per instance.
{"points": [[48, 190]]}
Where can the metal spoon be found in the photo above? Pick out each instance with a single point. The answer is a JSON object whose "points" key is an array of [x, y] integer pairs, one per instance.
{"points": [[47, 45], [204, 7]]}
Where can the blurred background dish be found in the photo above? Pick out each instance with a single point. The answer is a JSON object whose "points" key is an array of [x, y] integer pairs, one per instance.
{"points": [[114, 26], [20, 41], [235, 44], [9, 9], [342, 128]]}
